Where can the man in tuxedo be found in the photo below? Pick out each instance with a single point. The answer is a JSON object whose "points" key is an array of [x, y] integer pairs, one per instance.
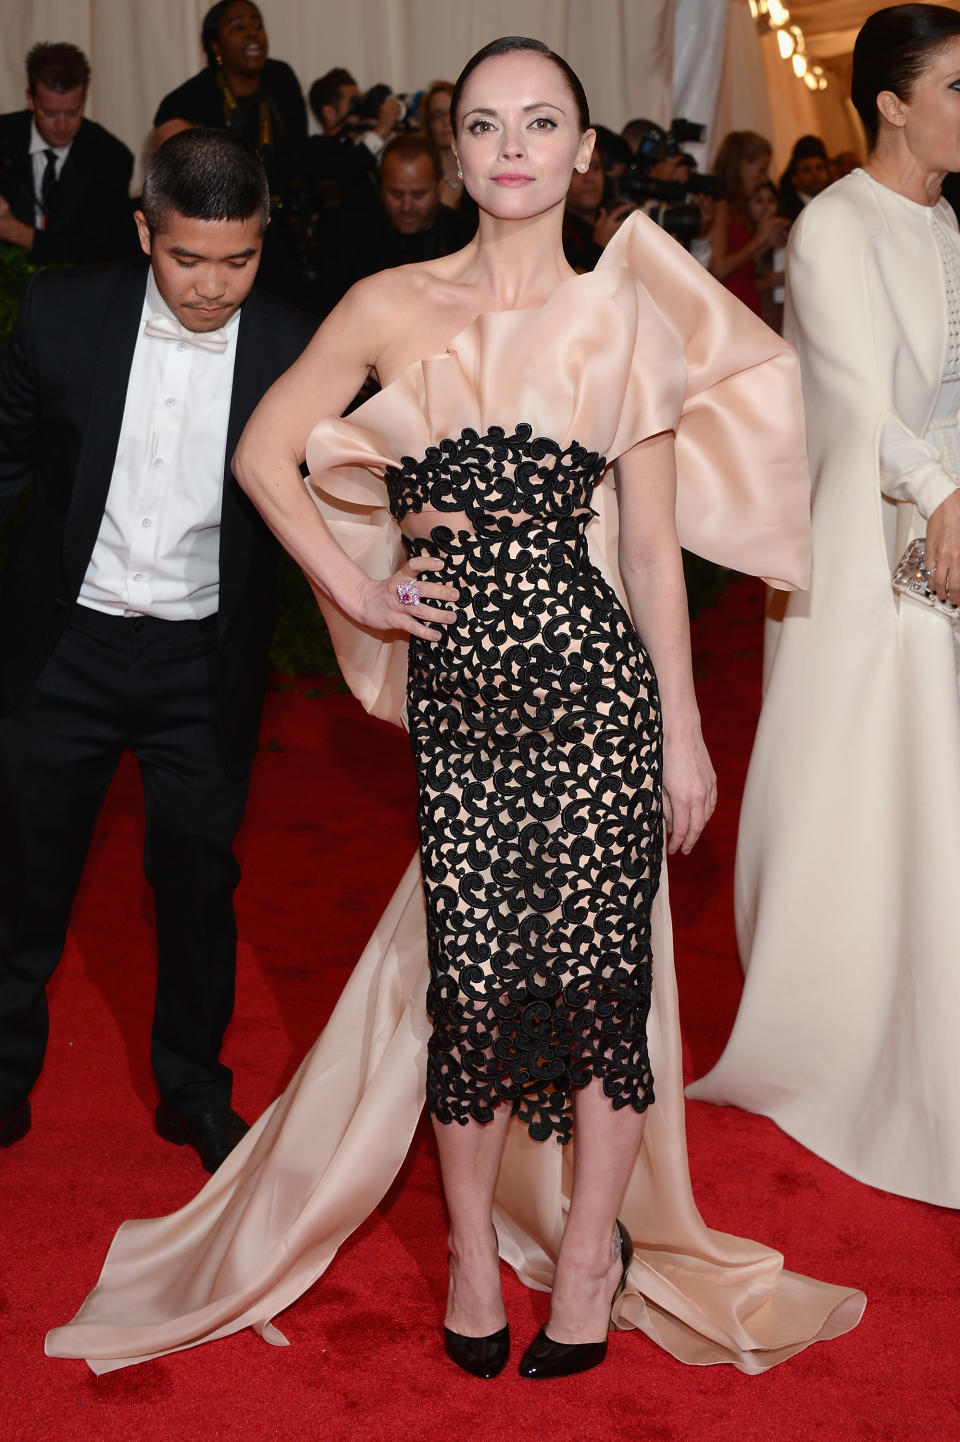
{"points": [[64, 180], [136, 607]]}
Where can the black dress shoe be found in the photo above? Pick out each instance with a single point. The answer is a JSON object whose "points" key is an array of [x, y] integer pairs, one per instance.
{"points": [[15, 1125], [546, 1358], [213, 1134], [481, 1356]]}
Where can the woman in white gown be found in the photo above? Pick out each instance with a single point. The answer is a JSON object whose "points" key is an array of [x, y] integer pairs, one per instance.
{"points": [[508, 384], [848, 867]]}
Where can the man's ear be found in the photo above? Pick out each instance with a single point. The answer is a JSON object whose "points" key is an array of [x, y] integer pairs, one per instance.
{"points": [[143, 230]]}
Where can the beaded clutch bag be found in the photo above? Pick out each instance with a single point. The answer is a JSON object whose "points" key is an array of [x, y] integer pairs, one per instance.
{"points": [[910, 579]]}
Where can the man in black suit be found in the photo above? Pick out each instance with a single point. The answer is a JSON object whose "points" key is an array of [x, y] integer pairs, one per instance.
{"points": [[64, 180], [136, 607], [412, 225]]}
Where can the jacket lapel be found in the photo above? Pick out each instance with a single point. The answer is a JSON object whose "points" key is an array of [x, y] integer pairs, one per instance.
{"points": [[107, 396], [248, 386]]}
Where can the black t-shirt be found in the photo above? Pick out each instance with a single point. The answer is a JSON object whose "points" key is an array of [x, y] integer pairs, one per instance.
{"points": [[201, 101]]}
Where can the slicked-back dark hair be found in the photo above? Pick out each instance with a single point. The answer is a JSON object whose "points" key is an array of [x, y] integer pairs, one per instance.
{"points": [[510, 45], [892, 50], [205, 175], [61, 66]]}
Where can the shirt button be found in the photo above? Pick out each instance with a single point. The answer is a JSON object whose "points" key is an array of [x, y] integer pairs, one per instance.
{"points": [[181, 345], [146, 523], [159, 463], [138, 576], [170, 401]]}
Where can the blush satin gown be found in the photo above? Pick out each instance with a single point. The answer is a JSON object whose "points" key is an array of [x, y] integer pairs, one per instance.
{"points": [[515, 425]]}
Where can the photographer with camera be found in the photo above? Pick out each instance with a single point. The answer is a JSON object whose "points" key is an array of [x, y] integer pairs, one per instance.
{"points": [[588, 225], [737, 243], [664, 182]]}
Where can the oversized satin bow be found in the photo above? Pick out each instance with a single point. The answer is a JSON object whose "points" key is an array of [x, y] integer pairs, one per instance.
{"points": [[163, 328]]}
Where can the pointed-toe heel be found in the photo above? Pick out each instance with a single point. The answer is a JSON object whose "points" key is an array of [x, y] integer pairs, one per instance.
{"points": [[545, 1358], [481, 1356]]}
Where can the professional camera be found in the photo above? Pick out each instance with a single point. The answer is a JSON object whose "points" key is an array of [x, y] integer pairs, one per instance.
{"points": [[365, 109], [668, 200]]}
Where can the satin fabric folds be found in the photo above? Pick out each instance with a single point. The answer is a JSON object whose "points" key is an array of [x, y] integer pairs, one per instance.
{"points": [[647, 342]]}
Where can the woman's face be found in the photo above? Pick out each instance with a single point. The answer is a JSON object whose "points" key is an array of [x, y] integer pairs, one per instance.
{"points": [[754, 173], [518, 135], [438, 119], [761, 205], [585, 191], [931, 117], [241, 39]]}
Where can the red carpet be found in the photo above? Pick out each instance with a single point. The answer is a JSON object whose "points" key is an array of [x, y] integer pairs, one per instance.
{"points": [[329, 831]]}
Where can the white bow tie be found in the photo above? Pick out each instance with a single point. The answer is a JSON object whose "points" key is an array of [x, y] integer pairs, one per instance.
{"points": [[161, 327]]}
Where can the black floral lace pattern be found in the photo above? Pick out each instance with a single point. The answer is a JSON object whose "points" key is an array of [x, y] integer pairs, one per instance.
{"points": [[535, 728], [493, 473]]}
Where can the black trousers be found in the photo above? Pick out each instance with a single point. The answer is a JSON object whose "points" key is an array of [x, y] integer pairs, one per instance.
{"points": [[114, 684]]}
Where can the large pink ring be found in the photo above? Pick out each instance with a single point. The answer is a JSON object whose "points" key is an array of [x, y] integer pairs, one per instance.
{"points": [[409, 593]]}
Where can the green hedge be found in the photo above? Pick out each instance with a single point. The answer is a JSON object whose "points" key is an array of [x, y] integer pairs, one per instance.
{"points": [[301, 643]]}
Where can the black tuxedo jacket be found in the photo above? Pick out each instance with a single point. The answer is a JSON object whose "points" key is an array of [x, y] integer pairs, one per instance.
{"points": [[91, 217], [63, 380]]}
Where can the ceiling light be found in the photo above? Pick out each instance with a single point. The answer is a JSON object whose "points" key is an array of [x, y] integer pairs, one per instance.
{"points": [[779, 14], [799, 65], [786, 43]]}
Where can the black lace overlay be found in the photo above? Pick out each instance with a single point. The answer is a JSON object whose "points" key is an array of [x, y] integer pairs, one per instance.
{"points": [[535, 728], [494, 473]]}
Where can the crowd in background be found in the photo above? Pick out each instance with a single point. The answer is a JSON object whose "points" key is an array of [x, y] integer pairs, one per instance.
{"points": [[377, 186]]}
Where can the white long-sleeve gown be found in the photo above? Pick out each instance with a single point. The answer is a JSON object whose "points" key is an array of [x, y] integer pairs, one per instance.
{"points": [[848, 862]]}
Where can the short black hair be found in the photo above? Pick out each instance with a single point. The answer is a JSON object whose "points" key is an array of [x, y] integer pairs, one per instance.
{"points": [[210, 28], [891, 52], [509, 45], [326, 90], [61, 66], [808, 147], [614, 150], [205, 175]]}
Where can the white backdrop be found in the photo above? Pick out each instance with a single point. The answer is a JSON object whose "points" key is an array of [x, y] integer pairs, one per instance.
{"points": [[630, 54], [140, 49]]}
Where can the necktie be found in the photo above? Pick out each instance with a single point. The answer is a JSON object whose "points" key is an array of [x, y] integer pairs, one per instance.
{"points": [[48, 181], [161, 327]]}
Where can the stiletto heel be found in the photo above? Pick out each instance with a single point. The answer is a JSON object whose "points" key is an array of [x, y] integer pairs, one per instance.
{"points": [[481, 1356], [546, 1358]]}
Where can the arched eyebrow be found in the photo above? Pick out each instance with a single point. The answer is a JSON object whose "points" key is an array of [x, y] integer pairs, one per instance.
{"points": [[537, 105]]}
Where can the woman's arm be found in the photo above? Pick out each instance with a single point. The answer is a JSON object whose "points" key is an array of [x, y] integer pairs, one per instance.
{"points": [[652, 569], [267, 465]]}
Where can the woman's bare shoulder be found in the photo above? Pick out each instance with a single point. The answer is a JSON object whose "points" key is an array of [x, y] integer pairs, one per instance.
{"points": [[409, 312]]}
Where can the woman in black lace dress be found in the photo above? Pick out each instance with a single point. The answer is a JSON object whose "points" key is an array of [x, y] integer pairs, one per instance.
{"points": [[533, 710], [475, 565]]}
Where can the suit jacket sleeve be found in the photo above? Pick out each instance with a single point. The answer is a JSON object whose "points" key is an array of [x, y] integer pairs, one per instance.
{"points": [[18, 408]]}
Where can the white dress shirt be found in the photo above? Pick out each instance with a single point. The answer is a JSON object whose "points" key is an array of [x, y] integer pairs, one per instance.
{"points": [[158, 549], [38, 160]]}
